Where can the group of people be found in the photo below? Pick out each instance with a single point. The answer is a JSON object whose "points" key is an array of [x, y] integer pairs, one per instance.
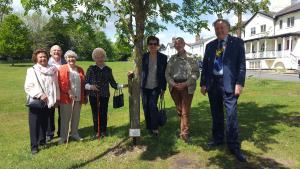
{"points": [[222, 77], [62, 84]]}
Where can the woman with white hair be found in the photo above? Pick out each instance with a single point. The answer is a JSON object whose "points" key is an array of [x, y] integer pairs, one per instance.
{"points": [[71, 81], [54, 60], [98, 78]]}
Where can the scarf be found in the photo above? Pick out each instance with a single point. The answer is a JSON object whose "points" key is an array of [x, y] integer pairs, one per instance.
{"points": [[48, 80]]}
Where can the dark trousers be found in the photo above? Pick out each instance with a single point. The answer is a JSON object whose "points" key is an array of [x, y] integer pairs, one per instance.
{"points": [[103, 101], [219, 99], [51, 122], [38, 122], [149, 100]]}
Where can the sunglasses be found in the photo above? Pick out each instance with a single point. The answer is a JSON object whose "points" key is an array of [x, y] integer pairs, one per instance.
{"points": [[152, 44]]}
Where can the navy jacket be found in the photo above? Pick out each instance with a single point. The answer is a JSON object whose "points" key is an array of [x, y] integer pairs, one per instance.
{"points": [[234, 64], [161, 68]]}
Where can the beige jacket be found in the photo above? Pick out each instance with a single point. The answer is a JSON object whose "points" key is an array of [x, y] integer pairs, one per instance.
{"points": [[182, 67]]}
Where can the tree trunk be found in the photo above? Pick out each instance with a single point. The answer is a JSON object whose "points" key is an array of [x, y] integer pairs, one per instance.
{"points": [[239, 25], [134, 104]]}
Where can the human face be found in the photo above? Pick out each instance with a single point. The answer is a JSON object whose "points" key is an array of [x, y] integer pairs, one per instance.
{"points": [[221, 30], [99, 59], [42, 59], [153, 46], [71, 60], [179, 45], [56, 53]]}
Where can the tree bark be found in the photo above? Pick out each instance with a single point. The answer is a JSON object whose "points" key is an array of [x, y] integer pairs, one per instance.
{"points": [[239, 25]]}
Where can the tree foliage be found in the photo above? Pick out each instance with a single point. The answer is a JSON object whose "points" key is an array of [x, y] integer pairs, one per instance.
{"points": [[14, 38], [5, 8]]}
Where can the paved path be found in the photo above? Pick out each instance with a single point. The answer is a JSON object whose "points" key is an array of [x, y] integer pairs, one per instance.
{"points": [[274, 76]]}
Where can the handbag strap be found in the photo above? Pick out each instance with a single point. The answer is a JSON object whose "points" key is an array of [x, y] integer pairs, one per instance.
{"points": [[162, 104], [37, 79], [118, 91]]}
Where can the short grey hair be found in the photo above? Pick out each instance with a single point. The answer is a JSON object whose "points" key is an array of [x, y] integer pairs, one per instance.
{"points": [[98, 51], [222, 21], [52, 48], [70, 53]]}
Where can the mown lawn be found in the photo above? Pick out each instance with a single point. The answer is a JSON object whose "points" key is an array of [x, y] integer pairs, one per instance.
{"points": [[269, 119]]}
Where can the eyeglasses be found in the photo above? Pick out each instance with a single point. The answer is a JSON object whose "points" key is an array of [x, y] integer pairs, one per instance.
{"points": [[152, 44]]}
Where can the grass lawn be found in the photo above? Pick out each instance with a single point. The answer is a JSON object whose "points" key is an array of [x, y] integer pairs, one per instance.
{"points": [[269, 120]]}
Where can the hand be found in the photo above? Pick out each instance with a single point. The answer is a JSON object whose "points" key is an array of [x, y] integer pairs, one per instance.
{"points": [[162, 93], [72, 97], [238, 90], [94, 88], [180, 86], [130, 74], [203, 90], [44, 98]]}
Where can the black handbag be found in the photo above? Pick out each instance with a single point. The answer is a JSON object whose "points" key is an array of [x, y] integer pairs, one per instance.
{"points": [[162, 114], [118, 99], [35, 102]]}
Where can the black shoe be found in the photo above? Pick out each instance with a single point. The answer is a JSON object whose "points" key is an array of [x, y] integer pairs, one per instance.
{"points": [[34, 151], [214, 144], [239, 155], [49, 138]]}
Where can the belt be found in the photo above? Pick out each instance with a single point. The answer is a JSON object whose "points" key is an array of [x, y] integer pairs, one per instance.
{"points": [[218, 76]]}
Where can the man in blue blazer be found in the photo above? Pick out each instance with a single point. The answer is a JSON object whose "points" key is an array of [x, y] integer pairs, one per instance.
{"points": [[223, 78]]}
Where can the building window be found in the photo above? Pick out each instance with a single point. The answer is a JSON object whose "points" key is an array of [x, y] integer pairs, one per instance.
{"points": [[253, 31], [290, 22], [279, 47], [262, 47], [280, 24], [263, 28]]}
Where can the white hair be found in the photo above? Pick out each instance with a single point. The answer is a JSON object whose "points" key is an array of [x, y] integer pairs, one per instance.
{"points": [[97, 52], [70, 53], [52, 48]]}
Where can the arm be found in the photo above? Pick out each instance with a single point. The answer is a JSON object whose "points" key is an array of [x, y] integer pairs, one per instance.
{"points": [[112, 81], [204, 68], [164, 81], [194, 72], [31, 87], [241, 64], [169, 79]]}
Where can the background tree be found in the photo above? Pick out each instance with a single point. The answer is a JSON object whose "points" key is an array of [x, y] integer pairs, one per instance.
{"points": [[239, 7], [5, 8], [14, 38]]}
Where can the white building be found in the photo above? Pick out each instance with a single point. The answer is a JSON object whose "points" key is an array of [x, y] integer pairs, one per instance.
{"points": [[272, 40], [196, 48]]}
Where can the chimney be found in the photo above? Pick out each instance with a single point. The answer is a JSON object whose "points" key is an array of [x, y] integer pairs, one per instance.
{"points": [[197, 38], [173, 39]]}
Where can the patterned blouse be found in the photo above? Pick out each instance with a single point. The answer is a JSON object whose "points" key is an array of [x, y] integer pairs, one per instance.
{"points": [[101, 77]]}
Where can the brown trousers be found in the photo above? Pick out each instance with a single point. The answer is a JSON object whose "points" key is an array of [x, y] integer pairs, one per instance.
{"points": [[183, 102]]}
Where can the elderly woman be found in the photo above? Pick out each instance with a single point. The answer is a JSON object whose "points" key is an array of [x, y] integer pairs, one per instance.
{"points": [[71, 82], [98, 78], [55, 60], [41, 83]]}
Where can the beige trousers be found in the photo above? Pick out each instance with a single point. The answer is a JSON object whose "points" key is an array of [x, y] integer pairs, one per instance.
{"points": [[66, 111]]}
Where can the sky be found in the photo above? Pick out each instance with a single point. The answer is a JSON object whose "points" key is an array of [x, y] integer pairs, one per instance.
{"points": [[164, 36]]}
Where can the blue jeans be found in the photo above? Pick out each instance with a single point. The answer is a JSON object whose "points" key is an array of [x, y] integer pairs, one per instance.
{"points": [[149, 99]]}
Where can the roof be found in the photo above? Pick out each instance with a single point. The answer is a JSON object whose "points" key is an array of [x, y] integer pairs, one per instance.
{"points": [[274, 15], [293, 8], [203, 40]]}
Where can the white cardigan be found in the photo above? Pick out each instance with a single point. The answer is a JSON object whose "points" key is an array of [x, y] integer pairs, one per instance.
{"points": [[32, 87]]}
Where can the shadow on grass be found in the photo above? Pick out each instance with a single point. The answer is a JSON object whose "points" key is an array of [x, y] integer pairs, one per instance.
{"points": [[257, 125]]}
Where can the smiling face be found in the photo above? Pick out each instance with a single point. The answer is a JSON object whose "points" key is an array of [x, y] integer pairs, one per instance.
{"points": [[179, 45], [71, 60], [153, 46], [56, 52], [99, 59], [221, 30], [42, 59]]}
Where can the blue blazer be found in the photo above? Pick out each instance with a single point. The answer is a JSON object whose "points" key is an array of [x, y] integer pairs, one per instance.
{"points": [[234, 64], [161, 68]]}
